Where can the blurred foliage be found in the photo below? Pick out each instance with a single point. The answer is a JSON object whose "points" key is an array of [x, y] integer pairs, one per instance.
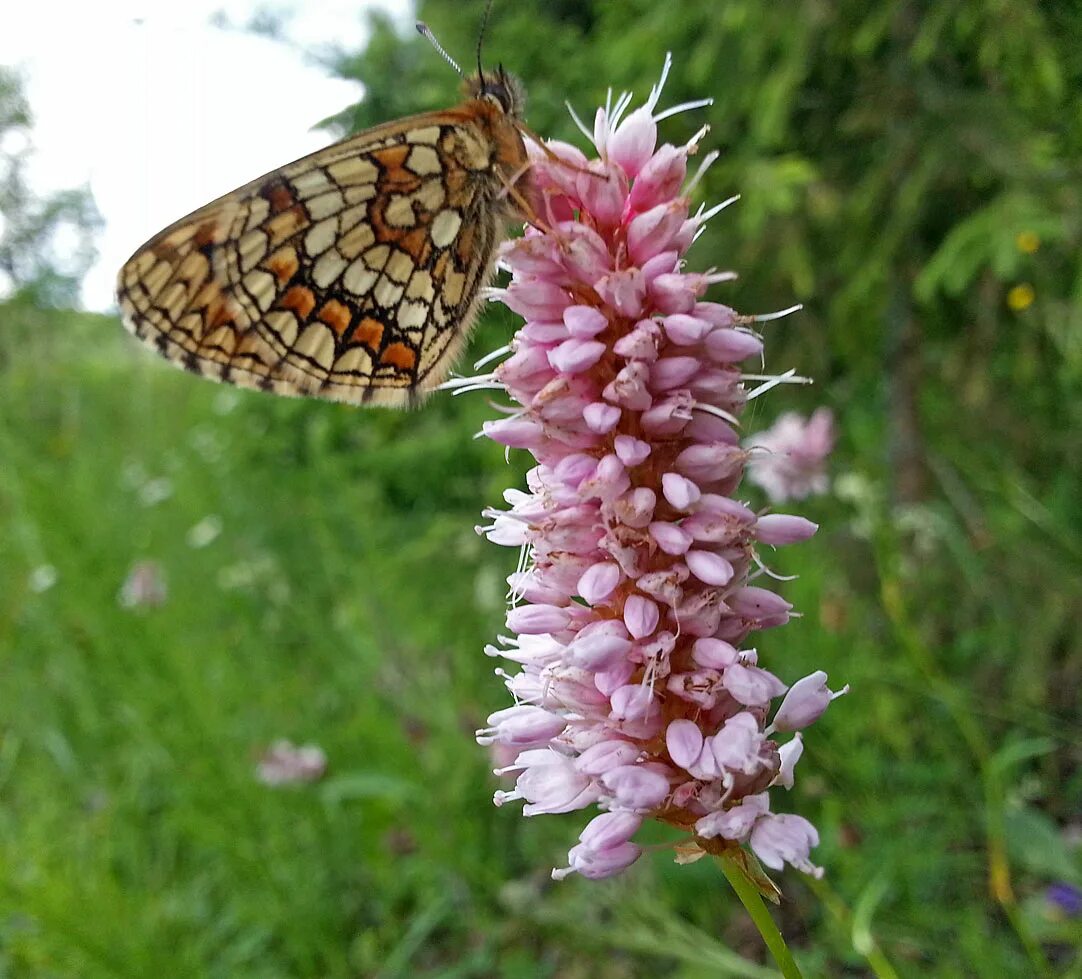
{"points": [[46, 244], [911, 173]]}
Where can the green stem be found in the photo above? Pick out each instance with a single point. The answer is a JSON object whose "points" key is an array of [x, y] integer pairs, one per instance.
{"points": [[753, 904]]}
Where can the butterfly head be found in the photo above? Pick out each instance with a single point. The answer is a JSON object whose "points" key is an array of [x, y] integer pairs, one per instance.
{"points": [[497, 86]]}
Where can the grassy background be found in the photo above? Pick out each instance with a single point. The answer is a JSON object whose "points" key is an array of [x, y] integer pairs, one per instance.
{"points": [[893, 159], [346, 602]]}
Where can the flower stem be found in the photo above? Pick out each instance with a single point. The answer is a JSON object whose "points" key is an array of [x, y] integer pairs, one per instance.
{"points": [[753, 904]]}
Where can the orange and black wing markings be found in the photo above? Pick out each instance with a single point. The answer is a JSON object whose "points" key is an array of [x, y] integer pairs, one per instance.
{"points": [[352, 274]]}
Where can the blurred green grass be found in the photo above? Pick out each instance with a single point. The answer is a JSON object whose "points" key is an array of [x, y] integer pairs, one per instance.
{"points": [[346, 602]]}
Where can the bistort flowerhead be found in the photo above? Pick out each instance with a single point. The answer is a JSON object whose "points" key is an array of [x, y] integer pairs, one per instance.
{"points": [[789, 458], [633, 603]]}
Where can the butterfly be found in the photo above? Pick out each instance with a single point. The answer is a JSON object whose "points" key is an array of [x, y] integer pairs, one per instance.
{"points": [[352, 274]]}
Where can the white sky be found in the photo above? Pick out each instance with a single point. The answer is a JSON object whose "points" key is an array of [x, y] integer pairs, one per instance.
{"points": [[160, 112]]}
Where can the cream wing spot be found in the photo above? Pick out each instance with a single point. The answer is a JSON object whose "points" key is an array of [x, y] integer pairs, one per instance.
{"points": [[453, 287], [155, 280], [386, 292], [321, 236], [284, 326], [328, 267], [325, 204], [261, 287], [358, 278], [356, 359], [445, 227], [399, 212], [424, 161], [427, 134], [258, 210], [354, 242], [311, 183], [412, 314], [353, 170], [399, 267], [419, 285], [316, 343]]}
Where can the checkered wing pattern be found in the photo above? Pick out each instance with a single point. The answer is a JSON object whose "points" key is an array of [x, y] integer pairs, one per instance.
{"points": [[352, 274]]}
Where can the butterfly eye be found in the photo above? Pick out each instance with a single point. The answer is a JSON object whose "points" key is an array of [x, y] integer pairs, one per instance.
{"points": [[499, 91]]}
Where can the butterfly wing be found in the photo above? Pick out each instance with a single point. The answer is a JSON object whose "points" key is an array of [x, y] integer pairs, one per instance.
{"points": [[351, 274]]}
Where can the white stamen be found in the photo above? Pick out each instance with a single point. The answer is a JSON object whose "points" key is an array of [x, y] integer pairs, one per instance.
{"points": [[763, 569], [705, 164], [766, 317], [495, 355], [579, 124], [702, 218], [656, 90], [713, 276], [692, 145], [618, 111], [789, 377], [683, 107], [720, 412]]}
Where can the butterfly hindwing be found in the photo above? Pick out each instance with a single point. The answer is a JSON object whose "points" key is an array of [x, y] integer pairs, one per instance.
{"points": [[351, 274]]}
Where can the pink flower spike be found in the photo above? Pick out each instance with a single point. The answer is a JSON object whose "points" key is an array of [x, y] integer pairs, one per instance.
{"points": [[751, 685], [633, 591], [684, 742], [778, 839], [598, 864], [641, 616], [600, 417], [789, 753], [779, 529], [537, 619], [681, 493], [624, 290], [606, 755], [628, 389], [515, 433], [735, 823], [790, 461], [631, 451], [805, 702], [641, 343], [610, 829], [584, 322], [732, 346], [758, 604], [575, 355], [670, 538], [599, 581], [597, 653], [536, 300], [684, 330], [651, 233], [667, 373], [521, 726], [632, 145], [555, 788], [660, 178], [711, 461], [636, 787], [714, 654]]}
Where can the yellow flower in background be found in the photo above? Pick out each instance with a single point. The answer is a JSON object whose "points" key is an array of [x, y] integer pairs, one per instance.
{"points": [[1021, 296], [1027, 242]]}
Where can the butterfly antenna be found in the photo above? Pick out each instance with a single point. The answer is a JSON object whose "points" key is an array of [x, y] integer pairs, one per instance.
{"points": [[481, 37], [425, 31]]}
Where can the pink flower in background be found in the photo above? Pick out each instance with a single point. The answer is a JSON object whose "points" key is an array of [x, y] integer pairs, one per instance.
{"points": [[634, 598], [144, 587], [789, 459], [283, 763]]}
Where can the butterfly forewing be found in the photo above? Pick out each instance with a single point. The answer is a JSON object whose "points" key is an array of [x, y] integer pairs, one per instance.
{"points": [[352, 274]]}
